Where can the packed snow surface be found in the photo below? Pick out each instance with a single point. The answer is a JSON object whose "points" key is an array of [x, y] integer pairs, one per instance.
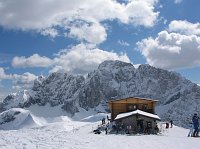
{"points": [[122, 115], [67, 133]]}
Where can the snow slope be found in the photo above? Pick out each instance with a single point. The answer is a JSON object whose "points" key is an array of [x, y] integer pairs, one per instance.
{"points": [[17, 118], [70, 134]]}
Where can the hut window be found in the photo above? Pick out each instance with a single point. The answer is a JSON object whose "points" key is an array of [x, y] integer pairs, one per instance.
{"points": [[132, 107], [149, 124], [144, 107]]}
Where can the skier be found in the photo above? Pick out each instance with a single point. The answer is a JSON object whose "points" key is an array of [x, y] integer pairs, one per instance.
{"points": [[191, 129], [195, 120]]}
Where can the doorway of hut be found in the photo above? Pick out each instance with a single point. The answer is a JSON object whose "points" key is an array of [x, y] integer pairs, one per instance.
{"points": [[140, 125]]}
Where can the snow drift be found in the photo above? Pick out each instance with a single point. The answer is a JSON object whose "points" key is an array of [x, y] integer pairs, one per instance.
{"points": [[17, 118]]}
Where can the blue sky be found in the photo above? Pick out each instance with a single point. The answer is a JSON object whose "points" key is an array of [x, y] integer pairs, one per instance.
{"points": [[41, 37]]}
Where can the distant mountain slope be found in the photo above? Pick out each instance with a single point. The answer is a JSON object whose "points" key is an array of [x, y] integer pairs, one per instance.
{"points": [[178, 97]]}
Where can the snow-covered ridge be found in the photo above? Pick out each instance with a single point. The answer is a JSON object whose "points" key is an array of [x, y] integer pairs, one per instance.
{"points": [[178, 97], [17, 118], [37, 117]]}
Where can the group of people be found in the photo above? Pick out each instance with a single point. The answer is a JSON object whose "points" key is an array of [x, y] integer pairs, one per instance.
{"points": [[194, 126], [104, 120], [104, 126], [133, 129], [107, 125], [167, 124]]}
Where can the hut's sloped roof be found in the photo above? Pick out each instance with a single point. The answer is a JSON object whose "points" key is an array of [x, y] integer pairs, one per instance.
{"points": [[147, 99], [123, 115]]}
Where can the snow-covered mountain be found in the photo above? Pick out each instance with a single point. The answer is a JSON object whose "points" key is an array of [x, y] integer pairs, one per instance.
{"points": [[178, 97]]}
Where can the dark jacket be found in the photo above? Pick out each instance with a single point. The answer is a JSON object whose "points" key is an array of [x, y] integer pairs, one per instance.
{"points": [[195, 120]]}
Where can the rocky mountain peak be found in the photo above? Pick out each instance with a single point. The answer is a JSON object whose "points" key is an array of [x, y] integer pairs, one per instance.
{"points": [[178, 97], [114, 64], [38, 82]]}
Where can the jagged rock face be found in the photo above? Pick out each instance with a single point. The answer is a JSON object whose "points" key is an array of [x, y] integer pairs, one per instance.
{"points": [[178, 96], [21, 99], [58, 88], [106, 83]]}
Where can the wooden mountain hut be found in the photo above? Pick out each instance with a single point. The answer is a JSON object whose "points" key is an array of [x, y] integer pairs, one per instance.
{"points": [[134, 112]]}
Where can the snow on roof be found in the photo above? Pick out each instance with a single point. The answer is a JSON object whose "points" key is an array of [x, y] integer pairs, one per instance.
{"points": [[122, 115]]}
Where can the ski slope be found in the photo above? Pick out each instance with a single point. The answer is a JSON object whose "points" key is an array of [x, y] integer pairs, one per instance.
{"points": [[65, 133]]}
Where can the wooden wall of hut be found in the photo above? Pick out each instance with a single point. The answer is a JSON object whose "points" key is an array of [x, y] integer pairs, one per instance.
{"points": [[131, 104]]}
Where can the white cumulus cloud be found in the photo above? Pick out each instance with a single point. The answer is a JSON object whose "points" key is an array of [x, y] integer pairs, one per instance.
{"points": [[33, 61], [175, 48], [78, 59], [49, 32], [84, 58], [93, 33], [47, 16], [172, 50], [184, 27], [3, 75], [24, 80]]}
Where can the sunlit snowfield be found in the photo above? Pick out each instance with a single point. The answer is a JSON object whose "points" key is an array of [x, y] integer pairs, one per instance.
{"points": [[63, 132]]}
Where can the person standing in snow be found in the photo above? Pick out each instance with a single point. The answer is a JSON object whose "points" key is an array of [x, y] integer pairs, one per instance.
{"points": [[191, 129], [156, 129], [171, 122], [167, 125], [107, 118], [195, 120], [103, 120], [106, 130]]}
